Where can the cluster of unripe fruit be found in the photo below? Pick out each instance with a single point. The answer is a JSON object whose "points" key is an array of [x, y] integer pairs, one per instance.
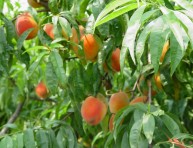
{"points": [[94, 109]]}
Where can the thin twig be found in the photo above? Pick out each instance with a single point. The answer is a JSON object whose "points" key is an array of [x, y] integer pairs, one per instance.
{"points": [[13, 117], [135, 86]]}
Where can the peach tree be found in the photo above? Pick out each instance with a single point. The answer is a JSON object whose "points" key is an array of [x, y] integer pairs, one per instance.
{"points": [[132, 58]]}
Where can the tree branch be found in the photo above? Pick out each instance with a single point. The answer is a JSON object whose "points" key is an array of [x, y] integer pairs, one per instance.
{"points": [[13, 118]]}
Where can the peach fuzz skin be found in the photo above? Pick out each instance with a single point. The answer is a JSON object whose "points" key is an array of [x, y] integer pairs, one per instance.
{"points": [[118, 101], [24, 22], [49, 29], [41, 90], [93, 110], [90, 46], [115, 60]]}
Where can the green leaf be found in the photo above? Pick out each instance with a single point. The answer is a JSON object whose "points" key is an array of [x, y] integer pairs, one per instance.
{"points": [[187, 22], [29, 138], [110, 7], [1, 5], [9, 28], [184, 4], [135, 134], [36, 63], [117, 13], [125, 140], [176, 53], [71, 137], [3, 41], [119, 117], [170, 124], [130, 35], [61, 138], [158, 37], [148, 127], [174, 25], [57, 63], [41, 138], [53, 5], [97, 137], [147, 15], [7, 142], [52, 139], [22, 38], [65, 26], [138, 114], [11, 125], [19, 140], [51, 78], [142, 40]]}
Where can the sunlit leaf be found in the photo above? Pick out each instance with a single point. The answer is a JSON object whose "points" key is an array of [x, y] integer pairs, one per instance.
{"points": [[148, 126], [130, 35], [135, 134], [29, 140]]}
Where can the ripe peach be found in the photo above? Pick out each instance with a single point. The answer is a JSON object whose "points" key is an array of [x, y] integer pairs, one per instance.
{"points": [[24, 22], [93, 110], [115, 60], [141, 99], [41, 90], [75, 38], [49, 29], [118, 101], [164, 50], [34, 3], [90, 46]]}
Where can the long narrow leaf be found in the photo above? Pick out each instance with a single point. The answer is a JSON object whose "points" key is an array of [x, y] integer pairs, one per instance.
{"points": [[110, 7], [148, 126], [29, 141], [117, 13], [174, 25], [157, 39], [35, 64], [187, 22], [135, 134], [57, 63], [184, 4], [129, 38]]}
